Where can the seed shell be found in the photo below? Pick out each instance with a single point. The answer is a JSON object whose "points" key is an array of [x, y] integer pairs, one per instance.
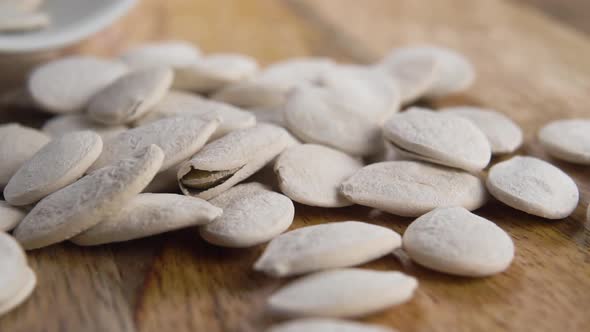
{"points": [[96, 197], [252, 215], [326, 246], [147, 215], [342, 293], [456, 241]]}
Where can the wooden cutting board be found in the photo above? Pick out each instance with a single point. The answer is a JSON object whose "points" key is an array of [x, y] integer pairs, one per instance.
{"points": [[529, 67]]}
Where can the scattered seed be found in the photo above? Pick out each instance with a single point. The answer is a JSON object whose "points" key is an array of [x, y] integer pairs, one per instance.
{"points": [[147, 215], [83, 204], [270, 88], [67, 123], [410, 188], [17, 280], [342, 293], [183, 103], [439, 138], [13, 263], [372, 91], [336, 117], [454, 72], [230, 159], [252, 94], [326, 325], [131, 96], [17, 145], [28, 284], [326, 246], [415, 73], [56, 165], [312, 174], [213, 72], [179, 137], [503, 134], [298, 70], [66, 85], [533, 186], [567, 140], [10, 216], [456, 241], [252, 215]]}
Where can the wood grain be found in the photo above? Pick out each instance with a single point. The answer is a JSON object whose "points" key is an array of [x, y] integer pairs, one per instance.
{"points": [[571, 12], [529, 67]]}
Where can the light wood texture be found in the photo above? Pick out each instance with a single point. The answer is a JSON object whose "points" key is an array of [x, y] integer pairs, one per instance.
{"points": [[529, 67]]}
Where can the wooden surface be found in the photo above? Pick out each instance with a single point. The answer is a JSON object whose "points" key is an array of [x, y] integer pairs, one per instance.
{"points": [[573, 12], [529, 67]]}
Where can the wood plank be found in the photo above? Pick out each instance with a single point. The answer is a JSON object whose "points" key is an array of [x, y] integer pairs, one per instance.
{"points": [[571, 12], [529, 67]]}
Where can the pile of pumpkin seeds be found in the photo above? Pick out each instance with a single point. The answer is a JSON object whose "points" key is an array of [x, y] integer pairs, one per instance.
{"points": [[164, 137]]}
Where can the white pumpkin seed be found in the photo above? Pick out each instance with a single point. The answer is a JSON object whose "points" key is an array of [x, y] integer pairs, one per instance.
{"points": [[67, 123], [254, 93], [252, 215], [269, 89], [297, 70], [13, 265], [17, 280], [326, 325], [58, 164], [533, 186], [456, 241], [83, 204], [28, 283], [131, 96], [312, 174], [66, 85], [454, 72], [342, 293], [371, 91], [183, 103], [409, 188], [503, 134], [415, 73], [147, 215], [179, 137], [213, 72], [439, 138], [17, 145], [326, 246], [567, 140], [334, 117], [170, 53], [231, 159], [10, 216]]}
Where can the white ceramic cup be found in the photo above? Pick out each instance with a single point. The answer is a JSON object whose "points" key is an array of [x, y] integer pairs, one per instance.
{"points": [[71, 22]]}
